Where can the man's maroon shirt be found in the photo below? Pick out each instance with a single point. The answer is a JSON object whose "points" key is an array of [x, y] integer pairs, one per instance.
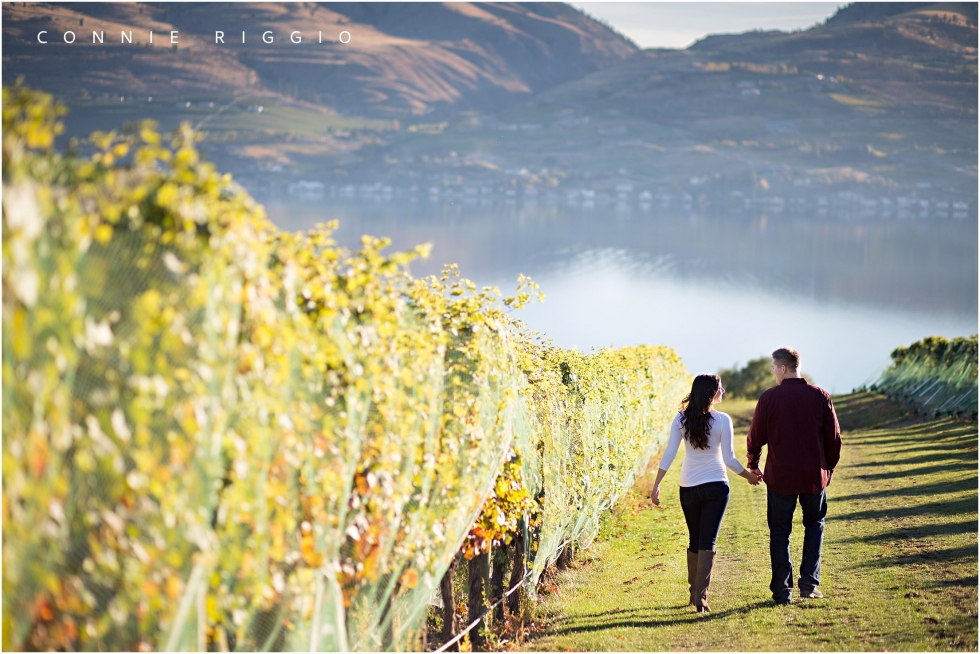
{"points": [[798, 423]]}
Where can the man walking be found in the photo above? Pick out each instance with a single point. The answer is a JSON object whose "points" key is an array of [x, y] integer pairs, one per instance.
{"points": [[798, 423]]}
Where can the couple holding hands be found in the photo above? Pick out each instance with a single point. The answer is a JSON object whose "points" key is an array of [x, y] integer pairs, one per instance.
{"points": [[798, 424]]}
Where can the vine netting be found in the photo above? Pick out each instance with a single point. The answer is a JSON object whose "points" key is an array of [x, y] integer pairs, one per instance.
{"points": [[221, 436], [935, 375]]}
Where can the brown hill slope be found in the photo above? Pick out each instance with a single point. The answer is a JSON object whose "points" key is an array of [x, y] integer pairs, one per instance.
{"points": [[888, 104], [401, 59], [925, 57], [922, 61], [881, 100], [872, 11]]}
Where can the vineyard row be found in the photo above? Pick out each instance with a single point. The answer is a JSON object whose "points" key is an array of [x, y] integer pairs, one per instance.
{"points": [[218, 435]]}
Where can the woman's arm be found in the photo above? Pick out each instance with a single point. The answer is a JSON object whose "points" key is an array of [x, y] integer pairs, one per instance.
{"points": [[673, 444], [655, 495], [728, 453]]}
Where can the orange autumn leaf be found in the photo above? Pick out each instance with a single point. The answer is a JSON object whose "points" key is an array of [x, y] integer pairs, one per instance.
{"points": [[44, 609], [409, 578]]}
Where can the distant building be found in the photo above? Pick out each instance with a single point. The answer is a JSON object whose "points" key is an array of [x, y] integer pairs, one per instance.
{"points": [[307, 189]]}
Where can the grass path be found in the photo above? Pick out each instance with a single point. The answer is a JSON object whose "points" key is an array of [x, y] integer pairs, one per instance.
{"points": [[899, 567]]}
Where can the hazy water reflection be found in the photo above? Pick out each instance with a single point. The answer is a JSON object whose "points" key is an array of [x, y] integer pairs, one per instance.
{"points": [[720, 288], [598, 298]]}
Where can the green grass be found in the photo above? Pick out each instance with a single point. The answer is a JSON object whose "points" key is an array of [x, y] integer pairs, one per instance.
{"points": [[899, 567], [235, 121]]}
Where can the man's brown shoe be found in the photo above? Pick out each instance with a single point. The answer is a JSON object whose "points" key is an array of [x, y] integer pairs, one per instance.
{"points": [[813, 594]]}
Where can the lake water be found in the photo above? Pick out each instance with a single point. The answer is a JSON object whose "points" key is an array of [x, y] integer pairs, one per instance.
{"points": [[721, 287]]}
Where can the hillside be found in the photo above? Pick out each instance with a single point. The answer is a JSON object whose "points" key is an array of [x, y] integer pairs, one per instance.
{"points": [[886, 105], [878, 106], [871, 11], [401, 59]]}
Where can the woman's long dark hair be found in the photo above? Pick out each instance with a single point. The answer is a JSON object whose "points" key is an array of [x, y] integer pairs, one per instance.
{"points": [[695, 414]]}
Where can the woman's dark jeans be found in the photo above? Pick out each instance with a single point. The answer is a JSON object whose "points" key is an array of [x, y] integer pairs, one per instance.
{"points": [[704, 506], [780, 515]]}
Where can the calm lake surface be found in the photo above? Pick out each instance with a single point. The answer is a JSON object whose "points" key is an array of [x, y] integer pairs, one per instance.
{"points": [[721, 287]]}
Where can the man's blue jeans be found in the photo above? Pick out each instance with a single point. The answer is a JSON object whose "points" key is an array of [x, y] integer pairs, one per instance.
{"points": [[780, 515]]}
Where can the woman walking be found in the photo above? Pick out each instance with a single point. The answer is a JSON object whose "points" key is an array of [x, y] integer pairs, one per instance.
{"points": [[707, 436]]}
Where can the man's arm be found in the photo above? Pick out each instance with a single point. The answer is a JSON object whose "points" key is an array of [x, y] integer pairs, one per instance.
{"points": [[831, 435], [758, 436]]}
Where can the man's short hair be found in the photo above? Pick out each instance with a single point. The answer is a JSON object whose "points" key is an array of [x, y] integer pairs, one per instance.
{"points": [[788, 357]]}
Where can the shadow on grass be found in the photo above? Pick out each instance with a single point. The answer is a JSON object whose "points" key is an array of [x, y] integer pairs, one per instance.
{"points": [[962, 444], [962, 582], [964, 553], [965, 506], [948, 467], [865, 410], [596, 616], [926, 435], [912, 490], [948, 455], [915, 533], [641, 623], [903, 441]]}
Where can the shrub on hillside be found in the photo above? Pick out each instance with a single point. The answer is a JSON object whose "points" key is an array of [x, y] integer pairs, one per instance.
{"points": [[750, 380]]}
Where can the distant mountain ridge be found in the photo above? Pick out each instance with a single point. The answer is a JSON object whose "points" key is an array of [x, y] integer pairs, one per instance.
{"points": [[923, 56], [879, 100], [876, 11], [887, 104], [403, 59]]}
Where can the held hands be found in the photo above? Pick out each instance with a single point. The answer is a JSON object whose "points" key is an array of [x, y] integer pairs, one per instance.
{"points": [[752, 475]]}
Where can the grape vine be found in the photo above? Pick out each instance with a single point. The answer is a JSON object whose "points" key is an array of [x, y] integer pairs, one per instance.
{"points": [[218, 435]]}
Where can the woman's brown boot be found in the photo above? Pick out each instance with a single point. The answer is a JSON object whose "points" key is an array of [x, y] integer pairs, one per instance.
{"points": [[702, 579], [692, 570]]}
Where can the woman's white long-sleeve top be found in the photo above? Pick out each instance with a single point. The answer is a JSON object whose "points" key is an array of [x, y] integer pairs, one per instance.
{"points": [[703, 466]]}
